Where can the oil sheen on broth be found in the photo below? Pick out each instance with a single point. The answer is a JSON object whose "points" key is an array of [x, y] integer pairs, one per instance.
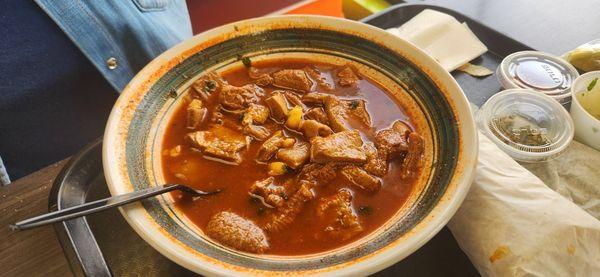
{"points": [[299, 180]]}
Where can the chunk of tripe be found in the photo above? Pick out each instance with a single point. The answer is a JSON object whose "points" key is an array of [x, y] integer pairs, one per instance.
{"points": [[271, 145], [344, 146], [441, 36], [219, 142], [278, 106], [296, 156], [195, 114]]}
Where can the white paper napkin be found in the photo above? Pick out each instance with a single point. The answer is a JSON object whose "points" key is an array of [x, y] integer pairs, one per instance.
{"points": [[441, 36]]}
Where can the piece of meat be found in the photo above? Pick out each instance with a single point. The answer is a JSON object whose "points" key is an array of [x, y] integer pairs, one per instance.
{"points": [[341, 221], [271, 145], [260, 133], [315, 74], [312, 128], [235, 231], [334, 109], [293, 79], [295, 156], [195, 114], [255, 73], [317, 114], [344, 146], [234, 98], [256, 114], [412, 162], [316, 173], [357, 109], [360, 178], [336, 113], [401, 127], [270, 194], [376, 161], [219, 142], [293, 98], [207, 84], [216, 117], [315, 98], [264, 81], [278, 106], [347, 77], [285, 215], [392, 141], [261, 79]]}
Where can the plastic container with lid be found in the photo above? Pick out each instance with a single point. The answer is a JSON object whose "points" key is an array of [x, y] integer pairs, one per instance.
{"points": [[538, 71], [530, 127]]}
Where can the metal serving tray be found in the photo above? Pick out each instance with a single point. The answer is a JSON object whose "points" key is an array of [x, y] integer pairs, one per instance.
{"points": [[104, 245]]}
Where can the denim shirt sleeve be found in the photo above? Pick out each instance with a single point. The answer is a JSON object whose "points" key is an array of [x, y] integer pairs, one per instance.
{"points": [[121, 37], [118, 37]]}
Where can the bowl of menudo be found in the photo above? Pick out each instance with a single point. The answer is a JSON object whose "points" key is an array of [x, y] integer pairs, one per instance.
{"points": [[338, 148]]}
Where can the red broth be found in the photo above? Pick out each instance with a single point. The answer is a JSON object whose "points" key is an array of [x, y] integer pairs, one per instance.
{"points": [[373, 209]]}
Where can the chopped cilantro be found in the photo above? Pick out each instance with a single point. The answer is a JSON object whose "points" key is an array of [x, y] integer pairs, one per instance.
{"points": [[592, 84], [247, 62], [354, 104]]}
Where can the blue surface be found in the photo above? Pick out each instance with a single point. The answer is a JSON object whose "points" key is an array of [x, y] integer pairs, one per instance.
{"points": [[53, 99], [55, 87]]}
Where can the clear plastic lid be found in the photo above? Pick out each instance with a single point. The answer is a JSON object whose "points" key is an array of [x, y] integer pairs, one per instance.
{"points": [[528, 126], [540, 72]]}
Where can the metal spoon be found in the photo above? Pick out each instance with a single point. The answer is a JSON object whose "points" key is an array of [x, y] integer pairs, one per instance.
{"points": [[104, 204]]}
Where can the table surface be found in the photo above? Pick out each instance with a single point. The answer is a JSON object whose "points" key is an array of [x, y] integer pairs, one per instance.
{"points": [[554, 26]]}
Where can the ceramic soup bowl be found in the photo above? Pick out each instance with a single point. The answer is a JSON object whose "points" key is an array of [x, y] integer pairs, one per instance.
{"points": [[432, 98]]}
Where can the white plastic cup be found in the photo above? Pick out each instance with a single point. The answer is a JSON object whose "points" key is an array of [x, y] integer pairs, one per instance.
{"points": [[540, 109], [587, 127]]}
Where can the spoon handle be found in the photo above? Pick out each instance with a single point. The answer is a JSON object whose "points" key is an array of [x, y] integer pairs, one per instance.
{"points": [[94, 207]]}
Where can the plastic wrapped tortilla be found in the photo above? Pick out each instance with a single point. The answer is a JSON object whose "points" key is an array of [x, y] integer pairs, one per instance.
{"points": [[512, 224], [585, 57], [574, 175]]}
